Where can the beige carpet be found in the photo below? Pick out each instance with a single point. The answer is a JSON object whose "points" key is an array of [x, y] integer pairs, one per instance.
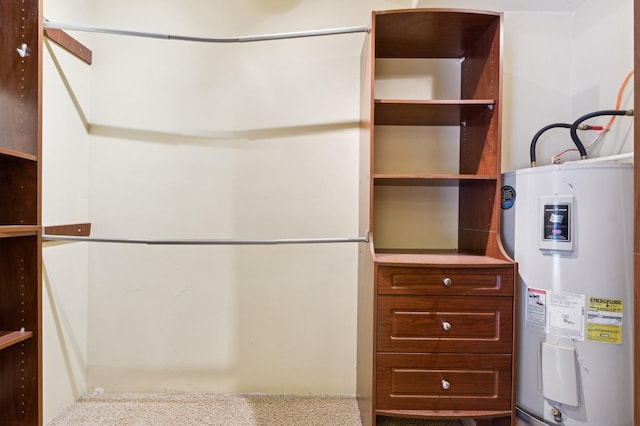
{"points": [[221, 410]]}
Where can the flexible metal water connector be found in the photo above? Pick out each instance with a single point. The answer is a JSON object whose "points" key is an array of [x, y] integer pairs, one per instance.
{"points": [[534, 141], [574, 127]]}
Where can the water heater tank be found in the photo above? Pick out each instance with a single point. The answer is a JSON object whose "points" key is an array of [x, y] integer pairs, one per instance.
{"points": [[570, 228]]}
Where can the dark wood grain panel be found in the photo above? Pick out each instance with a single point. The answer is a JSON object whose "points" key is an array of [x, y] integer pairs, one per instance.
{"points": [[388, 179], [19, 76], [70, 44], [417, 324], [18, 191], [20, 287], [415, 382], [431, 281], [77, 229], [479, 145], [481, 68], [429, 33], [429, 113], [18, 379], [478, 216], [20, 195], [481, 78], [481, 417], [19, 308], [10, 338]]}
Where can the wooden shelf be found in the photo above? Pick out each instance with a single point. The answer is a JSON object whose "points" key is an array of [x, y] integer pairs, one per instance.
{"points": [[9, 231], [434, 257], [402, 112], [397, 179], [17, 154], [10, 338], [443, 33]]}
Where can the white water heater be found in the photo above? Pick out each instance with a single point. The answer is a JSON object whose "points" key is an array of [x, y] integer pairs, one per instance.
{"points": [[570, 228]]}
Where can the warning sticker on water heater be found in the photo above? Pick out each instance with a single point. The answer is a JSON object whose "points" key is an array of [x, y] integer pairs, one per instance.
{"points": [[604, 320], [536, 309]]}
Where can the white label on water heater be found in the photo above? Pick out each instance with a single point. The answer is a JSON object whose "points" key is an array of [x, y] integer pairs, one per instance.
{"points": [[566, 312], [556, 223]]}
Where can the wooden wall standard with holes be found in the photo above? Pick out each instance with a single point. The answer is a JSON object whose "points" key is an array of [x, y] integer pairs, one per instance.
{"points": [[20, 214], [20, 211]]}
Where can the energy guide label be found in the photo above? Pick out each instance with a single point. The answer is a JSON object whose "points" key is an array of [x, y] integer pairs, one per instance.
{"points": [[604, 320]]}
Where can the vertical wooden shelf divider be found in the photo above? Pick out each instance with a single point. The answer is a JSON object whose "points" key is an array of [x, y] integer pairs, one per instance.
{"points": [[20, 213], [21, 208], [430, 180]]}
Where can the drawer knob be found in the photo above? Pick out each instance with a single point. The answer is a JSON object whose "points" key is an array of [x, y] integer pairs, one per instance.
{"points": [[446, 326], [447, 281], [445, 385]]}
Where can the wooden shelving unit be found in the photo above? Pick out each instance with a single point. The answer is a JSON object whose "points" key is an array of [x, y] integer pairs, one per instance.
{"points": [[436, 290], [20, 214], [20, 207]]}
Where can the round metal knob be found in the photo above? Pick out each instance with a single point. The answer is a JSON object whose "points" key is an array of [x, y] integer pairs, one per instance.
{"points": [[446, 326], [447, 281], [445, 385]]}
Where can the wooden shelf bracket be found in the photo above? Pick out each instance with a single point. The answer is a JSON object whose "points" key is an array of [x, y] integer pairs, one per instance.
{"points": [[69, 43], [76, 229]]}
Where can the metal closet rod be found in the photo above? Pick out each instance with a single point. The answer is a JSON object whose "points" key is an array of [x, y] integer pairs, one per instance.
{"points": [[264, 37], [209, 242]]}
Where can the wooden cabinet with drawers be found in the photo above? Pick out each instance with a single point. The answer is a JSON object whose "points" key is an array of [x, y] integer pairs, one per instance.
{"points": [[444, 341], [436, 292]]}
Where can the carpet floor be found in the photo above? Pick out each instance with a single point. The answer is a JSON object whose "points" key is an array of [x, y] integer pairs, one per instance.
{"points": [[221, 410]]}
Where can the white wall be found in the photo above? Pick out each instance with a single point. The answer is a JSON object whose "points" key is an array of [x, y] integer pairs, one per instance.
{"points": [[600, 65], [560, 66], [255, 140], [224, 141], [65, 195], [537, 84]]}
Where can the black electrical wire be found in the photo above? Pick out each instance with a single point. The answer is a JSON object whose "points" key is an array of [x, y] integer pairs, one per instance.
{"points": [[534, 141], [574, 127]]}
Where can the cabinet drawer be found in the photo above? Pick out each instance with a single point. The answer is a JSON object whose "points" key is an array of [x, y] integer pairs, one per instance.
{"points": [[443, 382], [437, 280], [445, 324]]}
